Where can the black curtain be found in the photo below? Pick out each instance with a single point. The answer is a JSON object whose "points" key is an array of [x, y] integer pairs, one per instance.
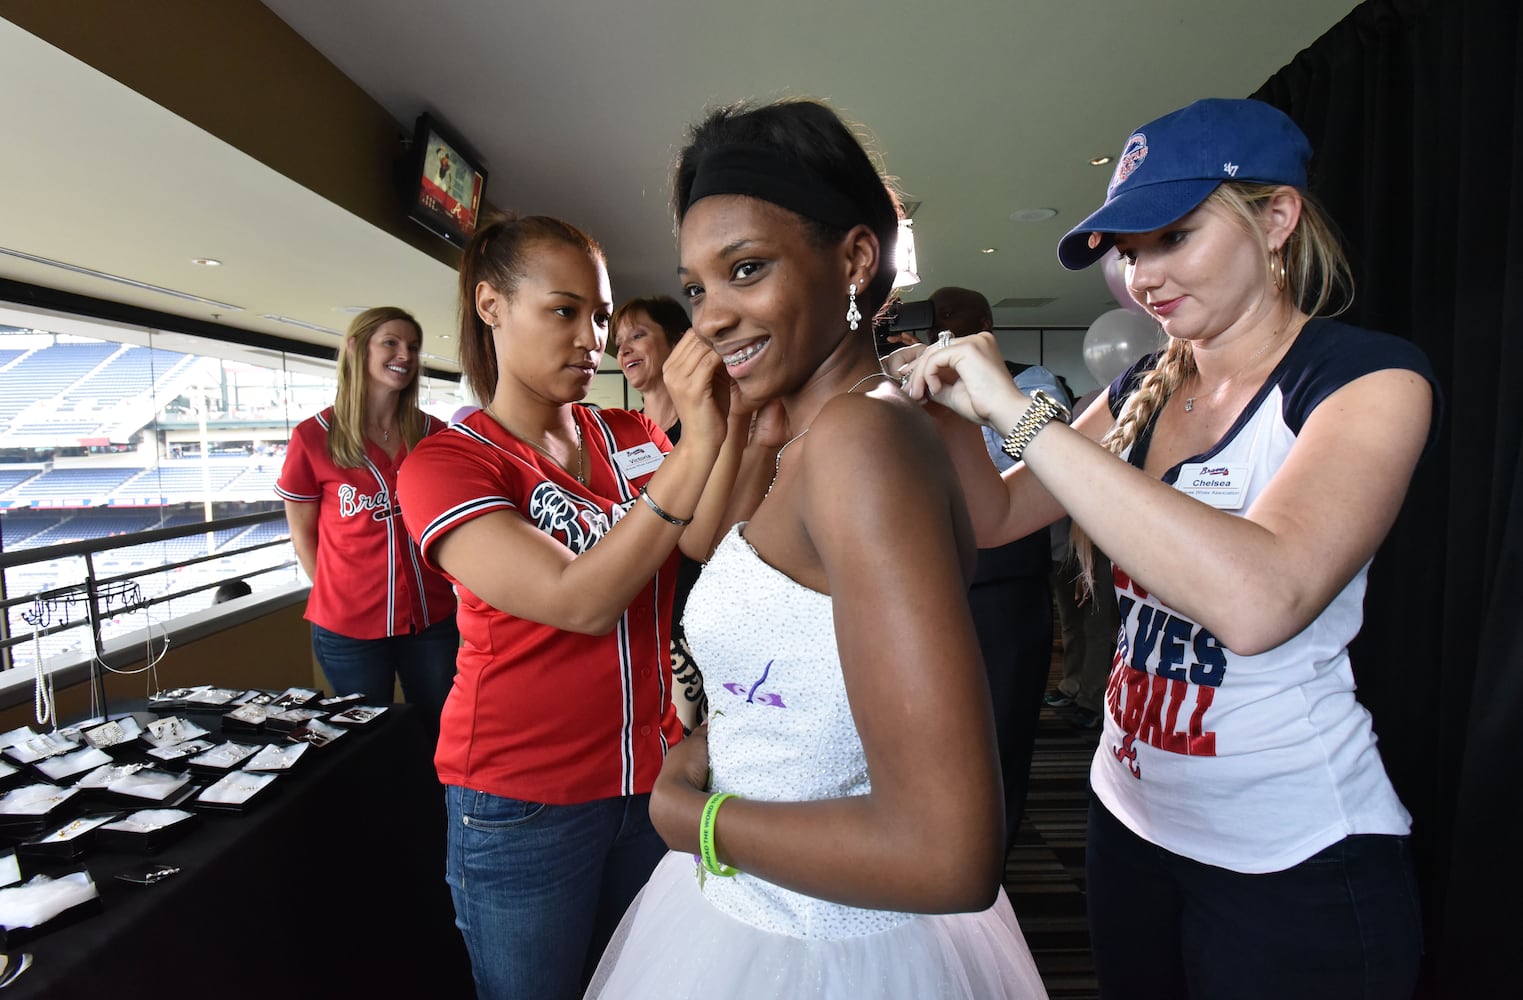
{"points": [[1415, 109]]}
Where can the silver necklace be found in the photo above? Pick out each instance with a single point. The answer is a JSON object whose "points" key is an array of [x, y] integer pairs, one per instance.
{"points": [[581, 452], [777, 466], [1274, 339]]}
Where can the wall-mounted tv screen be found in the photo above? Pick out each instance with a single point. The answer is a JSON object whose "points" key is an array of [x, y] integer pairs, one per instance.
{"points": [[447, 183]]}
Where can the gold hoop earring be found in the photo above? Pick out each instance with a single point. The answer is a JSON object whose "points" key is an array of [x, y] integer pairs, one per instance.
{"points": [[1277, 271]]}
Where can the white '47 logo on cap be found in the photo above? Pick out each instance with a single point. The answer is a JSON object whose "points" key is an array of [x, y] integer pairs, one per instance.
{"points": [[1230, 169]]}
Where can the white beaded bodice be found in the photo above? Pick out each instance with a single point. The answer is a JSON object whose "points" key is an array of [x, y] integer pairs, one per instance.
{"points": [[780, 727]]}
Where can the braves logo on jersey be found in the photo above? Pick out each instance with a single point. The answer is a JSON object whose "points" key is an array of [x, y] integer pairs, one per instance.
{"points": [[569, 519], [378, 504]]}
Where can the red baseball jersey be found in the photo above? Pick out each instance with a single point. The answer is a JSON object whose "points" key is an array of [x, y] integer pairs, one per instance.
{"points": [[538, 713], [371, 579]]}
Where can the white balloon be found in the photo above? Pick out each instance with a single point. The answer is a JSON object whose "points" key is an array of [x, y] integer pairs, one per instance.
{"points": [[1116, 340]]}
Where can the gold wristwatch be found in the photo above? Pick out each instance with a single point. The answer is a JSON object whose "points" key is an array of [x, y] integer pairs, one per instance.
{"points": [[1042, 409]]}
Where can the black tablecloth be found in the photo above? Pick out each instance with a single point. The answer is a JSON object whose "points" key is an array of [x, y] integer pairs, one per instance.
{"points": [[332, 886]]}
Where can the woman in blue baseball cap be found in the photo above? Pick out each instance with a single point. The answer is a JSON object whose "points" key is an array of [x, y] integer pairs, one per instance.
{"points": [[1244, 838]]}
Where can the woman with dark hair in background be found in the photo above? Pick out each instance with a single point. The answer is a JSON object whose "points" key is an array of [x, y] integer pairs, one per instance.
{"points": [[644, 332], [557, 522], [850, 741], [1244, 839], [378, 614]]}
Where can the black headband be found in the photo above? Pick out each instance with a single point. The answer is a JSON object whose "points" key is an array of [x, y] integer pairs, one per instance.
{"points": [[762, 172]]}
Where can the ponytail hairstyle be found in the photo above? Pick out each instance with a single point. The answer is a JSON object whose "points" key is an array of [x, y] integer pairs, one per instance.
{"points": [[1318, 280], [814, 156], [346, 435], [499, 253]]}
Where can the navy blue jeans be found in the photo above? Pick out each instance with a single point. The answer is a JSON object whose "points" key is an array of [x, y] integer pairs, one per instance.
{"points": [[423, 661], [1343, 924], [539, 889]]}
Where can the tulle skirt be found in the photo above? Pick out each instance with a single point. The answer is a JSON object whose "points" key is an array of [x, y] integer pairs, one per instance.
{"points": [[673, 944]]}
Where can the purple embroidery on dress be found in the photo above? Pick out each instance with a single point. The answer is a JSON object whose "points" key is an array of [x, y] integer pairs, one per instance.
{"points": [[754, 694]]}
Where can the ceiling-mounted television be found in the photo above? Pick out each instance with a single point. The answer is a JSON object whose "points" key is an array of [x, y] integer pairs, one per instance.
{"points": [[447, 183]]}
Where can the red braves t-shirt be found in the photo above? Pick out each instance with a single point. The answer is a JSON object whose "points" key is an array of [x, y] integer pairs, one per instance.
{"points": [[538, 713], [371, 580]]}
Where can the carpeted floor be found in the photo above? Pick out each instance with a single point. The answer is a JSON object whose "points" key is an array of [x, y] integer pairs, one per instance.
{"points": [[1044, 873]]}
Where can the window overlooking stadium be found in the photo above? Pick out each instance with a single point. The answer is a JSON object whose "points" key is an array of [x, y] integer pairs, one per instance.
{"points": [[110, 431]]}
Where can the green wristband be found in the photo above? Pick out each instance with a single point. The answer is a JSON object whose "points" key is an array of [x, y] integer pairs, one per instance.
{"points": [[706, 836]]}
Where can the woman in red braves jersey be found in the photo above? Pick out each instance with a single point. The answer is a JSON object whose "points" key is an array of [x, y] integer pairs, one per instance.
{"points": [[559, 524], [378, 614], [1244, 838]]}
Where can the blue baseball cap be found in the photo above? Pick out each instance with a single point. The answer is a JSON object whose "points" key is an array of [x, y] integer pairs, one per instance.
{"points": [[1170, 165]]}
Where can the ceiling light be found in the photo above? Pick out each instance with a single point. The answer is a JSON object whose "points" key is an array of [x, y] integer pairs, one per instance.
{"points": [[1032, 214], [288, 321], [904, 256], [130, 282], [206, 261], [989, 250], [1099, 161]]}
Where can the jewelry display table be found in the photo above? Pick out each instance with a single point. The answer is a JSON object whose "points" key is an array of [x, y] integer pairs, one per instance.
{"points": [[331, 883]]}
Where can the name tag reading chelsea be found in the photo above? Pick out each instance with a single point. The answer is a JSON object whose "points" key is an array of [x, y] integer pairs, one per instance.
{"points": [[641, 460], [1222, 486]]}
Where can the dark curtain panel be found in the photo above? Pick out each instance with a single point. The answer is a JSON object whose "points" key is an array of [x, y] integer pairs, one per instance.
{"points": [[1415, 108]]}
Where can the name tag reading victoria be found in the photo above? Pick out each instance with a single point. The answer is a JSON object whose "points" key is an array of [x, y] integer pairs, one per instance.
{"points": [[641, 460], [1222, 486]]}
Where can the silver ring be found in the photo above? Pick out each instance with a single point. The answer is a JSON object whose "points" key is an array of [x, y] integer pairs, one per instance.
{"points": [[944, 338]]}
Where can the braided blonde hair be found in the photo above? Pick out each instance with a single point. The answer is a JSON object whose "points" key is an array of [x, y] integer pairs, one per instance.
{"points": [[1316, 275]]}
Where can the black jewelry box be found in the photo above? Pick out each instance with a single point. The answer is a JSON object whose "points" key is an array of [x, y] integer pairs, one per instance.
{"points": [[66, 842], [10, 937], [121, 835], [260, 786]]}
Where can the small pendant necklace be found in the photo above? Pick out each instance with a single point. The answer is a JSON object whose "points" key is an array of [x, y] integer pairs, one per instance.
{"points": [[580, 472], [777, 466], [1273, 340]]}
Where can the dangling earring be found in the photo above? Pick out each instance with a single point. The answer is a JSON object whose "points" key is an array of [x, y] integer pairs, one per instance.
{"points": [[853, 316], [1277, 272]]}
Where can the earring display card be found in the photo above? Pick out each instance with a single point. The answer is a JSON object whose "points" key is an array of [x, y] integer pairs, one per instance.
{"points": [[359, 715], [253, 697], [146, 831], [10, 869], [342, 699], [236, 791], [168, 731], [9, 773]]}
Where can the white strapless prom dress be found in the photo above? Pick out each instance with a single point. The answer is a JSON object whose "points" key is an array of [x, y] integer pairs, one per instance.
{"points": [[780, 729]]}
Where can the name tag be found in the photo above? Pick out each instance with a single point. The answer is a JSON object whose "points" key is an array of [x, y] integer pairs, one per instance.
{"points": [[641, 460], [1222, 486]]}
